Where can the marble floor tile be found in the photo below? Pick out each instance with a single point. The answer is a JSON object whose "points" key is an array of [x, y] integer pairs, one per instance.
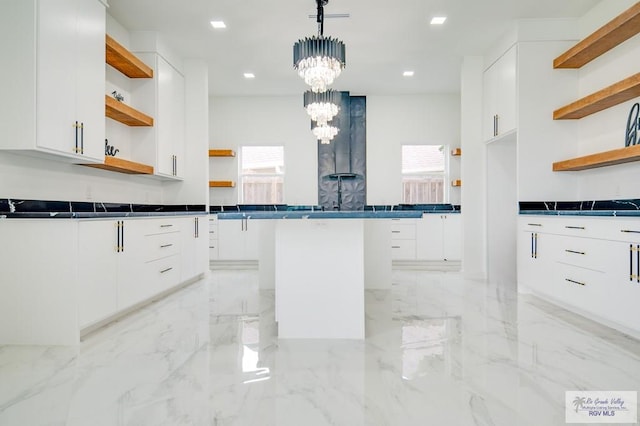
{"points": [[439, 350]]}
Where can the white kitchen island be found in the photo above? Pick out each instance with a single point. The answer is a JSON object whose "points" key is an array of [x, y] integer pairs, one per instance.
{"points": [[319, 275]]}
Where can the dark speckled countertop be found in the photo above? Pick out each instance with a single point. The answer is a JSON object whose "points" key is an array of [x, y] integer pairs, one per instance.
{"points": [[46, 209], [611, 208]]}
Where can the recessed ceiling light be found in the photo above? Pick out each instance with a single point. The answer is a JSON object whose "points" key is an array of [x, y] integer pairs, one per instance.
{"points": [[408, 74], [218, 25], [438, 20], [249, 75]]}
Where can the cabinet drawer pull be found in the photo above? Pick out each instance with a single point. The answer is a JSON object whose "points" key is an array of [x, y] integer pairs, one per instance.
{"points": [[166, 245], [395, 246], [575, 252], [395, 232], [630, 231], [165, 270], [166, 226], [574, 227], [574, 282], [534, 224]]}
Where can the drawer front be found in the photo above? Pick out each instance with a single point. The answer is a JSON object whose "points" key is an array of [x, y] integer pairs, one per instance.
{"points": [[583, 252], [534, 224], [400, 231], [403, 250], [163, 273], [162, 226], [161, 245], [580, 287], [213, 232]]}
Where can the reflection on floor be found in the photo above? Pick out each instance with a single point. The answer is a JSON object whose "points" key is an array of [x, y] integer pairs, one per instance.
{"points": [[440, 350]]}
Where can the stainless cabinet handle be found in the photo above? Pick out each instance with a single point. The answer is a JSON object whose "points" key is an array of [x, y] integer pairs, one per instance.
{"points": [[535, 250], [122, 236], [534, 224], [166, 226], [166, 245], [395, 246], [395, 232], [575, 252], [630, 231], [165, 270], [574, 282], [497, 124], [574, 227]]}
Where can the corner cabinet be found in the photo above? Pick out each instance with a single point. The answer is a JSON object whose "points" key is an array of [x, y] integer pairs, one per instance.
{"points": [[163, 98], [53, 80], [499, 99]]}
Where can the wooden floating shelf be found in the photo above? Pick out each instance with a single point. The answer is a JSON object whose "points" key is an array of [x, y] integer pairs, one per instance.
{"points": [[125, 114], [616, 31], [222, 153], [221, 184], [615, 94], [456, 152], [124, 61], [123, 166], [456, 182], [601, 159]]}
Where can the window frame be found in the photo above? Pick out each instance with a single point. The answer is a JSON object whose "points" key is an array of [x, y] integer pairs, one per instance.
{"points": [[242, 175], [444, 174]]}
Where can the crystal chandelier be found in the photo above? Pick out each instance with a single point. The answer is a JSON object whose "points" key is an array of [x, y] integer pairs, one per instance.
{"points": [[322, 107], [319, 59], [325, 133]]}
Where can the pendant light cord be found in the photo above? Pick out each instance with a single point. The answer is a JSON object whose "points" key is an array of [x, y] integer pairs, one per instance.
{"points": [[320, 15]]}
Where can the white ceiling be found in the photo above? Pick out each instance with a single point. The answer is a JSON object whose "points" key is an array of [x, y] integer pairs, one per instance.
{"points": [[383, 38]]}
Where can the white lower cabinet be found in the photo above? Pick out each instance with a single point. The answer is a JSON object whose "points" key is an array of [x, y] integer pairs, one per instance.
{"points": [[98, 266], [195, 236], [590, 265], [439, 237], [238, 239], [88, 271]]}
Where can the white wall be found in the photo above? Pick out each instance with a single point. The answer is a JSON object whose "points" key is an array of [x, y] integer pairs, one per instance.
{"points": [[391, 122], [604, 130], [238, 121], [474, 192]]}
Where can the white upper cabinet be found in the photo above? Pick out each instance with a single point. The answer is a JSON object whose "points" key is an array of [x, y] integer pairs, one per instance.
{"points": [[499, 95], [164, 100], [54, 78]]}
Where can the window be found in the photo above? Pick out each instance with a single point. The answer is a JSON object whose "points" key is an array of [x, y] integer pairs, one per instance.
{"points": [[262, 175], [424, 173]]}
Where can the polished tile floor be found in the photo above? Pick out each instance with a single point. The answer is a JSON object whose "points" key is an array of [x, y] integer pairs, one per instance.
{"points": [[440, 350]]}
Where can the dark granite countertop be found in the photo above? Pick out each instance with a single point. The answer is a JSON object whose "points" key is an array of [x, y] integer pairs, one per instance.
{"points": [[46, 209], [600, 208], [319, 214]]}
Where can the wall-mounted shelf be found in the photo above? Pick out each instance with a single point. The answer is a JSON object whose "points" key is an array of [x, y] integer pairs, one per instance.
{"points": [[124, 61], [222, 153], [123, 166], [221, 184], [619, 29], [125, 114], [456, 182], [601, 159], [615, 94], [456, 152]]}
